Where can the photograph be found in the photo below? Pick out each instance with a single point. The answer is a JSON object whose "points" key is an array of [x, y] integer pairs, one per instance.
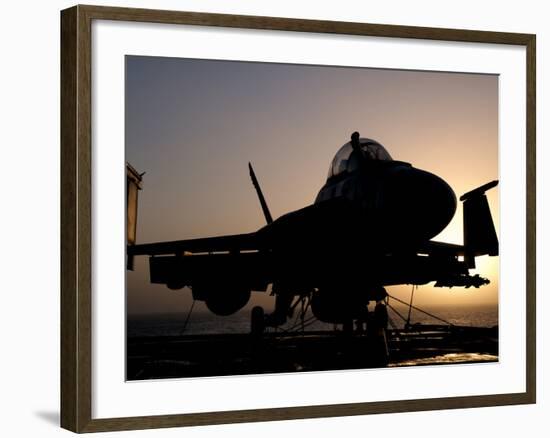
{"points": [[290, 218]]}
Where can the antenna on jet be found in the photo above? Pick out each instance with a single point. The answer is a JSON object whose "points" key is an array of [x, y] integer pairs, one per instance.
{"points": [[265, 209], [355, 141]]}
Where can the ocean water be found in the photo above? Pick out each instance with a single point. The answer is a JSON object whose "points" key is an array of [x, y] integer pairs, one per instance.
{"points": [[199, 323]]}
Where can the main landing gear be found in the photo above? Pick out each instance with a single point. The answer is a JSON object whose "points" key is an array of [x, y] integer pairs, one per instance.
{"points": [[363, 337]]}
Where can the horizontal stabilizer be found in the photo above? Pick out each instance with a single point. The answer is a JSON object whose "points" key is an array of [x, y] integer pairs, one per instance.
{"points": [[479, 191]]}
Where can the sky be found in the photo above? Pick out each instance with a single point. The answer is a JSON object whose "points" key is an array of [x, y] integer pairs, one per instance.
{"points": [[193, 126]]}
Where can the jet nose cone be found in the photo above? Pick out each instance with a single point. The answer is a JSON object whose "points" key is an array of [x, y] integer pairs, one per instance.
{"points": [[417, 204]]}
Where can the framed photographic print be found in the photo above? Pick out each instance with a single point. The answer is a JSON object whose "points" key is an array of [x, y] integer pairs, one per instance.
{"points": [[325, 218]]}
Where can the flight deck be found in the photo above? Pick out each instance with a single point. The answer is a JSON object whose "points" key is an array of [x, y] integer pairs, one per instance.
{"points": [[158, 357]]}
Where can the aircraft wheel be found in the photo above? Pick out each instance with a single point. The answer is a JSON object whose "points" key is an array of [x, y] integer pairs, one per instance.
{"points": [[381, 316], [257, 321]]}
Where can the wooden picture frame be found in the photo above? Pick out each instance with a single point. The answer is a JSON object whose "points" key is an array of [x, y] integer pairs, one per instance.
{"points": [[76, 218]]}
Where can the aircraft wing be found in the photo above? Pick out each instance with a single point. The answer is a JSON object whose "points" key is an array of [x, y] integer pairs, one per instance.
{"points": [[230, 243], [442, 248], [216, 262]]}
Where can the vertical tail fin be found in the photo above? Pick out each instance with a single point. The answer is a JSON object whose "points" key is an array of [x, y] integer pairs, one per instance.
{"points": [[265, 209], [480, 237]]}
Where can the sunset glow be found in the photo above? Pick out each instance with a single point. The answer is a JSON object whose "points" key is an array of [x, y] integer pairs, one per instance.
{"points": [[193, 125]]}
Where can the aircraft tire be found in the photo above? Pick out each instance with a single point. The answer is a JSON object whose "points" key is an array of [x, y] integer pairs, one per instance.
{"points": [[257, 321]]}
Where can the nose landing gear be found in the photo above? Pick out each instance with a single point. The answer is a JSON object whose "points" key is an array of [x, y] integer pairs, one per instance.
{"points": [[378, 341]]}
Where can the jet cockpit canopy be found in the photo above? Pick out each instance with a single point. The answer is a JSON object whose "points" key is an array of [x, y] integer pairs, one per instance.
{"points": [[347, 160]]}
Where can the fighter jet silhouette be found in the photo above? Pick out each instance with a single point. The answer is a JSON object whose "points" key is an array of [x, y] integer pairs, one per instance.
{"points": [[370, 226]]}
